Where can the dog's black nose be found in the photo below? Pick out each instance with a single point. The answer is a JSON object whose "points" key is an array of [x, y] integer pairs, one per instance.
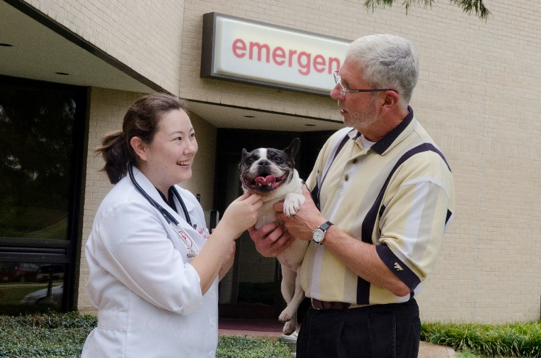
{"points": [[264, 163]]}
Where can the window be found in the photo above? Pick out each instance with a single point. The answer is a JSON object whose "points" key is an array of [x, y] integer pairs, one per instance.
{"points": [[42, 131]]}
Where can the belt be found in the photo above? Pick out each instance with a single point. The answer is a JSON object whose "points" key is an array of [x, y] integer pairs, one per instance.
{"points": [[324, 305]]}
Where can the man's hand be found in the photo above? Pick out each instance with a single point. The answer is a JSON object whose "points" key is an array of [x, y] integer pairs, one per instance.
{"points": [[271, 239], [307, 219]]}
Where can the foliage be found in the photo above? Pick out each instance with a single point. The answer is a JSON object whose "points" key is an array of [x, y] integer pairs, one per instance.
{"points": [[246, 347], [44, 336], [466, 354], [506, 340], [468, 6], [62, 335]]}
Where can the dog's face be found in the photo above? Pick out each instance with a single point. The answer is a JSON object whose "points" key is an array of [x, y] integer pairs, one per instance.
{"points": [[263, 170]]}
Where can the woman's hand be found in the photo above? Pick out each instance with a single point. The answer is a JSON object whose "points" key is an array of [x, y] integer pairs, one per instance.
{"points": [[241, 214]]}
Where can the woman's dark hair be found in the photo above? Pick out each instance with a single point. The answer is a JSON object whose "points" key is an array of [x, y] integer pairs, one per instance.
{"points": [[141, 120]]}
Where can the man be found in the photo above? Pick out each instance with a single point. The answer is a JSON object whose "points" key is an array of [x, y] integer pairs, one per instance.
{"points": [[384, 196]]}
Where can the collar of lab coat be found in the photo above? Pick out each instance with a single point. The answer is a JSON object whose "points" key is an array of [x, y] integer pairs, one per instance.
{"points": [[151, 190], [197, 235]]}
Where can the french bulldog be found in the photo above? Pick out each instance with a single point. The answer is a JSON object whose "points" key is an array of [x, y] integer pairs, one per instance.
{"points": [[271, 173]]}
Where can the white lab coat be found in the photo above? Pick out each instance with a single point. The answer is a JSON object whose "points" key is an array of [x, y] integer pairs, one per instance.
{"points": [[148, 295]]}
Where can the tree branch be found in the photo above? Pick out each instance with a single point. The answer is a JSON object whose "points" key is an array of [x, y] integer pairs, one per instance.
{"points": [[468, 6]]}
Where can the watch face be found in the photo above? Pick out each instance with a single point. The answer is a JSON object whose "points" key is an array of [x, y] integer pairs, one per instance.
{"points": [[318, 235]]}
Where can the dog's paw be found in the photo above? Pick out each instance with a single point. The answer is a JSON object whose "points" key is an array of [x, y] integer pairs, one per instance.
{"points": [[292, 204], [290, 327], [286, 315], [289, 318]]}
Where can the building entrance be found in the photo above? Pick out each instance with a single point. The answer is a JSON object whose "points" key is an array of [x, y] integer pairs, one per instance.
{"points": [[252, 288]]}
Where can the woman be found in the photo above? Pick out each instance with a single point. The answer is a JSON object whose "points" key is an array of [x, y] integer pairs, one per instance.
{"points": [[155, 282]]}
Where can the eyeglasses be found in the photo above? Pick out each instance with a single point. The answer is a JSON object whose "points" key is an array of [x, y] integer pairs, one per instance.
{"points": [[343, 90]]}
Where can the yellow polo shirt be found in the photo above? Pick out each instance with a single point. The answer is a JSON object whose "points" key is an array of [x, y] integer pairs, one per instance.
{"points": [[398, 194]]}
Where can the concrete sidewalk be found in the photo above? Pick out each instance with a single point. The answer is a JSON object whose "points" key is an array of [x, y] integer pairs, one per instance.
{"points": [[429, 350]]}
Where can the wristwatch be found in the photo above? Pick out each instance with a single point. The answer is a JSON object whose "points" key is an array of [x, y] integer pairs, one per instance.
{"points": [[318, 235]]}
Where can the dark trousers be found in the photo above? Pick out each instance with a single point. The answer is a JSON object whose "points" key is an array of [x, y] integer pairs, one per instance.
{"points": [[380, 331]]}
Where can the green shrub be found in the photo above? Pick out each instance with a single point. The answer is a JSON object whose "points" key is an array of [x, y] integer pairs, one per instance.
{"points": [[45, 335], [466, 354], [63, 335], [506, 340], [56, 335], [246, 347]]}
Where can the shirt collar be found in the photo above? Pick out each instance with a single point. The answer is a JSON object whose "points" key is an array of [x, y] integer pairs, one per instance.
{"points": [[387, 141]]}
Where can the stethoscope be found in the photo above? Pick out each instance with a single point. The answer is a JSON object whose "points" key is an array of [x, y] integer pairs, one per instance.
{"points": [[193, 249]]}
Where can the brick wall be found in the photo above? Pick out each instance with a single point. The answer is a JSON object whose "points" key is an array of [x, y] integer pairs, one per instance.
{"points": [[107, 108], [144, 35], [202, 181]]}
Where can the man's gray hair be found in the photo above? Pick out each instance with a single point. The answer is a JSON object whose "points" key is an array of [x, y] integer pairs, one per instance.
{"points": [[388, 61]]}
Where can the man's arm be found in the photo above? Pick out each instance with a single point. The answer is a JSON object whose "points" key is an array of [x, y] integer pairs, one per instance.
{"points": [[358, 256]]}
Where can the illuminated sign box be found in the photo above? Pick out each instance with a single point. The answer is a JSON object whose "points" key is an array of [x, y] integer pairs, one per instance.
{"points": [[254, 52]]}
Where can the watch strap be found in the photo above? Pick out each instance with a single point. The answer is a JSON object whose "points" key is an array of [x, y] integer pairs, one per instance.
{"points": [[325, 226]]}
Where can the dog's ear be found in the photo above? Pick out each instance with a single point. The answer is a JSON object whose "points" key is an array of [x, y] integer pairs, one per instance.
{"points": [[293, 148], [243, 156]]}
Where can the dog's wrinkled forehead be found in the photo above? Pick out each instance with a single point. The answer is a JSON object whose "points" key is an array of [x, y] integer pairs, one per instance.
{"points": [[254, 155], [277, 156]]}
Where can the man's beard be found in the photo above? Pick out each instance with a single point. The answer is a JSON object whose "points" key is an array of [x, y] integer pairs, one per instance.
{"points": [[363, 120]]}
